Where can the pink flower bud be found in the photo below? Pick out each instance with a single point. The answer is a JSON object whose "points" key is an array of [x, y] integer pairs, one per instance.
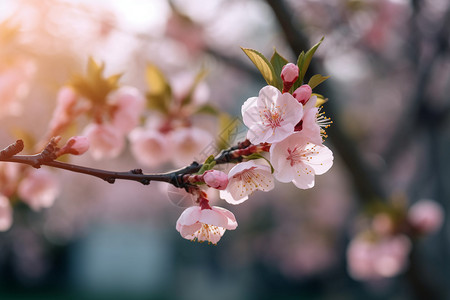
{"points": [[76, 145], [302, 94], [216, 179], [426, 216], [289, 73]]}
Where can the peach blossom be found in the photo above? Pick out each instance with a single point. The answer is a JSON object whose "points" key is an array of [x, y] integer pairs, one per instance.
{"points": [[39, 189], [150, 147], [244, 179], [206, 224], [188, 144], [105, 140], [216, 179], [129, 104], [272, 116], [296, 159]]}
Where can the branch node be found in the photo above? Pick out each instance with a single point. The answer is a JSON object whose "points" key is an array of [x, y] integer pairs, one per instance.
{"points": [[110, 179], [137, 171], [145, 181], [12, 149]]}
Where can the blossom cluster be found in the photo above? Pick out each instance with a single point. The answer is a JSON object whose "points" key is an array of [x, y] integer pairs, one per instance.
{"points": [[290, 129]]}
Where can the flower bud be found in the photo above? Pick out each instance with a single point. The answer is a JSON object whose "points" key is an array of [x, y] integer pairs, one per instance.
{"points": [[289, 73], [426, 216], [216, 179], [76, 145], [302, 94]]}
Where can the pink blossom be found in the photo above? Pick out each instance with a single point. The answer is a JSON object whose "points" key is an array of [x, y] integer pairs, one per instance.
{"points": [[39, 189], [6, 215], [296, 159], [207, 224], [376, 259], [76, 145], [244, 179], [272, 116], [129, 103], [302, 94], [105, 140], [14, 86], [426, 216], [150, 147], [188, 144], [309, 126], [216, 179]]}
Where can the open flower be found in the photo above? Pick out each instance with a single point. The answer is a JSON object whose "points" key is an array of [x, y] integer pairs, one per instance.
{"points": [[272, 116], [205, 224], [244, 179], [298, 160], [189, 144]]}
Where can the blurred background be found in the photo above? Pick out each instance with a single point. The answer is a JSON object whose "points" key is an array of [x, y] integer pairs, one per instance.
{"points": [[388, 97]]}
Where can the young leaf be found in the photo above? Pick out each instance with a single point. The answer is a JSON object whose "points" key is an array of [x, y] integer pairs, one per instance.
{"points": [[207, 109], [159, 95], [278, 62], [307, 60], [263, 66], [320, 99], [316, 80], [258, 156]]}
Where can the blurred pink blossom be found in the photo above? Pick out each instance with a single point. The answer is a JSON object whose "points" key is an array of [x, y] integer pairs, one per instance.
{"points": [[376, 259], [6, 215], [63, 113], [105, 140], [244, 179], [129, 104], [208, 224], [14, 85], [272, 116], [426, 216], [188, 144], [149, 146], [39, 189], [296, 159]]}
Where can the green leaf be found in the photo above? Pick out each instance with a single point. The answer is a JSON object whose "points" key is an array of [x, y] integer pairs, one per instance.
{"points": [[160, 94], [316, 80], [307, 60], [94, 86], [207, 109], [263, 66], [258, 156], [278, 62]]}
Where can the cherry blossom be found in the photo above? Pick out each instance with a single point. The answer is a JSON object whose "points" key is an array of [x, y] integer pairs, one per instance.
{"points": [[272, 116], [298, 160], [244, 179], [39, 189], [426, 216], [105, 141], [376, 259], [188, 144], [149, 146], [205, 224], [129, 104], [6, 215]]}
